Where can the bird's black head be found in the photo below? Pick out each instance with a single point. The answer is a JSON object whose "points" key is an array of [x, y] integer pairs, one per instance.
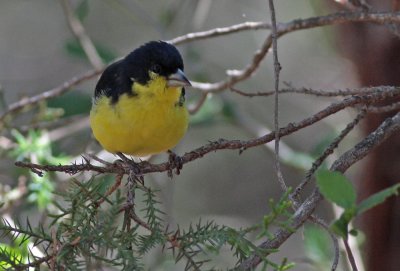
{"points": [[159, 57]]}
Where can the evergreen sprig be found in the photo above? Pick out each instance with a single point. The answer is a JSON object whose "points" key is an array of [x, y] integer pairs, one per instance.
{"points": [[89, 235], [18, 255]]}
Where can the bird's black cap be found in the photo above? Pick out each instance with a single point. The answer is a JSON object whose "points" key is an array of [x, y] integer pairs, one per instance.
{"points": [[157, 56]]}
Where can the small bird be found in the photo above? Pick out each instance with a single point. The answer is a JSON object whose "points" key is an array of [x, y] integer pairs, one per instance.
{"points": [[139, 102]]}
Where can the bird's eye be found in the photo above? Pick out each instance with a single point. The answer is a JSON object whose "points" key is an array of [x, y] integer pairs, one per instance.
{"points": [[156, 68]]}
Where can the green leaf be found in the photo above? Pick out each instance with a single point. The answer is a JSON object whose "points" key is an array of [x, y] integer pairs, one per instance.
{"points": [[318, 245], [323, 143], [73, 103], [336, 188], [74, 49], [298, 160], [353, 232], [10, 256], [378, 198], [82, 10], [341, 225], [35, 142], [209, 112]]}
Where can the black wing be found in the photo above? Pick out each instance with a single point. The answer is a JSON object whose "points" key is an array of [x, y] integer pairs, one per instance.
{"points": [[114, 82]]}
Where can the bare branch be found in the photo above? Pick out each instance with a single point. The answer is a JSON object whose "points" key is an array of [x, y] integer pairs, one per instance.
{"points": [[384, 108], [306, 91], [145, 167], [295, 25], [220, 31], [79, 32], [386, 129], [298, 24], [350, 255], [277, 69], [335, 143], [354, 4], [25, 103], [237, 76], [194, 109]]}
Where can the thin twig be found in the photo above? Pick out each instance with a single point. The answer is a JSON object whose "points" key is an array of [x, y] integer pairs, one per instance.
{"points": [[79, 32], [385, 130], [384, 108], [329, 150], [335, 241], [350, 255], [117, 183], [194, 109], [388, 127], [25, 103], [353, 4], [298, 24], [54, 247], [277, 69], [135, 218], [36, 263], [237, 76], [305, 91], [220, 31]]}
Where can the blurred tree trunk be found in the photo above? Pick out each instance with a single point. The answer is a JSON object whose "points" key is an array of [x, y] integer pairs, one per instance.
{"points": [[375, 52]]}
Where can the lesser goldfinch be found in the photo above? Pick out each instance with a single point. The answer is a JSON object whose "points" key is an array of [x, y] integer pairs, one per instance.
{"points": [[139, 102]]}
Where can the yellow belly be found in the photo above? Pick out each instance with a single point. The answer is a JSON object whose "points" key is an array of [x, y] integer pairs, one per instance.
{"points": [[138, 125]]}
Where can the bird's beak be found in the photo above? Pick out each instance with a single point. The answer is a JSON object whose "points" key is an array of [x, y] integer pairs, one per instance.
{"points": [[178, 79]]}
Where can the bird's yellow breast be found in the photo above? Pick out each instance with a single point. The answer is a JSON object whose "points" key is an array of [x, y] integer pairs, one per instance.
{"points": [[151, 121]]}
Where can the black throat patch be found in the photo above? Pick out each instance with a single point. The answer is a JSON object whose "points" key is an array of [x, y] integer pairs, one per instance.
{"points": [[181, 100]]}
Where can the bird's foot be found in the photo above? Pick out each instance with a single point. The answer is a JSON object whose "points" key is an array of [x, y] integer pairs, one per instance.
{"points": [[133, 167], [176, 162]]}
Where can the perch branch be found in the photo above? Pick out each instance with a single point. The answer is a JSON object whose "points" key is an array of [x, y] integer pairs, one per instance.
{"points": [[380, 95]]}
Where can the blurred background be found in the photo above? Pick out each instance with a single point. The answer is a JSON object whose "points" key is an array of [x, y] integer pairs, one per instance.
{"points": [[38, 52]]}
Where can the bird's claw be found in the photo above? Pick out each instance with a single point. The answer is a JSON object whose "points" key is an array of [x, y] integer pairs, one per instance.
{"points": [[176, 162], [133, 167]]}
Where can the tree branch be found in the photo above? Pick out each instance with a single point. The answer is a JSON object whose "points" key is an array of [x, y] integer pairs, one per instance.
{"points": [[329, 150], [79, 32], [235, 76], [380, 95], [277, 69], [386, 129], [307, 91], [220, 31], [26, 103]]}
